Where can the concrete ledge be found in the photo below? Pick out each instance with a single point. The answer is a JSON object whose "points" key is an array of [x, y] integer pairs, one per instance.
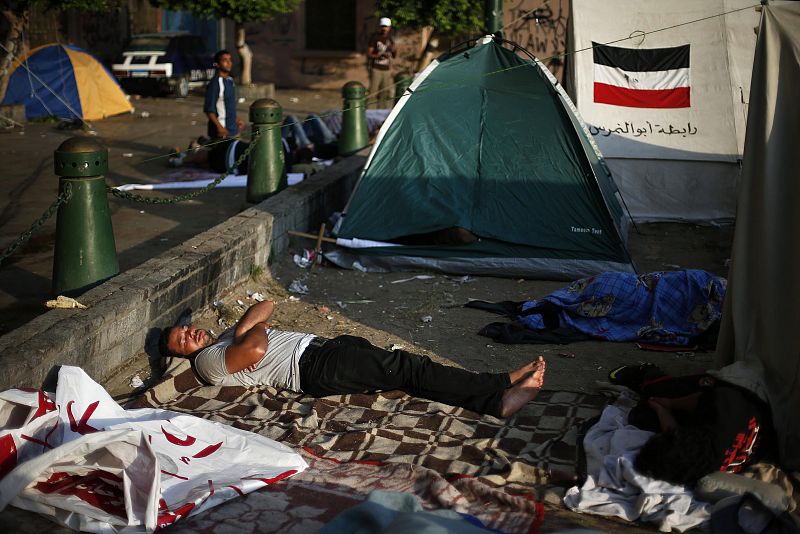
{"points": [[14, 112], [124, 310]]}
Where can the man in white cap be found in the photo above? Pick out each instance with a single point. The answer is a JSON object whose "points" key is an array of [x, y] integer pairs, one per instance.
{"points": [[381, 51]]}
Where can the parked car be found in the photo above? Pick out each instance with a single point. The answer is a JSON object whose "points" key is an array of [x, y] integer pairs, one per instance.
{"points": [[168, 62]]}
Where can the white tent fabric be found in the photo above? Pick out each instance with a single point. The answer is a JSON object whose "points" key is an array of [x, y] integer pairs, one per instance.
{"points": [[79, 458], [761, 312], [672, 163]]}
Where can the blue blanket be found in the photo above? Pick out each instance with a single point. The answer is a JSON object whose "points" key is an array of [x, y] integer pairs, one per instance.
{"points": [[667, 308]]}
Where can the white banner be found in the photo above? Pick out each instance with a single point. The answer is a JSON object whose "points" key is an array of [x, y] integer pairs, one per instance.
{"points": [[81, 459]]}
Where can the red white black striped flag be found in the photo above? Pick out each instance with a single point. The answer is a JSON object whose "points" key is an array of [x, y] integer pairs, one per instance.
{"points": [[641, 78]]}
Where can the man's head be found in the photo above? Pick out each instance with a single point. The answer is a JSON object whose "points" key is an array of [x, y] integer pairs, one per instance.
{"points": [[183, 341], [385, 25], [681, 455], [224, 62]]}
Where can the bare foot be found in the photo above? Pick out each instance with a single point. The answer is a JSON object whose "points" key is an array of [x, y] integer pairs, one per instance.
{"points": [[524, 391], [526, 369]]}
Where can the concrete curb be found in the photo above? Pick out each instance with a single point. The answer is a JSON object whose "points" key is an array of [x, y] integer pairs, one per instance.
{"points": [[125, 311]]}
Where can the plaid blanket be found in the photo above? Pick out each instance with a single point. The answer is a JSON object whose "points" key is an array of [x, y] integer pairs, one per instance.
{"points": [[449, 457]]}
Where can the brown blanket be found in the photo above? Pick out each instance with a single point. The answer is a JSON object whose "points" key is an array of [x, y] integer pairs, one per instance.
{"points": [[449, 457]]}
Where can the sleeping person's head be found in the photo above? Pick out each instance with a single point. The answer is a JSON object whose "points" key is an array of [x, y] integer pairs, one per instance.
{"points": [[681, 455]]}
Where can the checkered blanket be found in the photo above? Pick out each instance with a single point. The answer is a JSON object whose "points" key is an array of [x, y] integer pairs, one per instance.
{"points": [[449, 457]]}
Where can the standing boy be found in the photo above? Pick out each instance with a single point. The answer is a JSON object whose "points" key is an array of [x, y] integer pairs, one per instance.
{"points": [[220, 103]]}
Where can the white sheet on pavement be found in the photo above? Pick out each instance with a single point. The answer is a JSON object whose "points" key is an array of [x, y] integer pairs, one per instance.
{"points": [[81, 459], [614, 488], [232, 180]]}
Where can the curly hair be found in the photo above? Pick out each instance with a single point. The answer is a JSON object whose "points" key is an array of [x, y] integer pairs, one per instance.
{"points": [[680, 455], [219, 55]]}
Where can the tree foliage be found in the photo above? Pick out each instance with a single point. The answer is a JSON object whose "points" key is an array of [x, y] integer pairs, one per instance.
{"points": [[453, 17], [239, 11], [19, 6]]}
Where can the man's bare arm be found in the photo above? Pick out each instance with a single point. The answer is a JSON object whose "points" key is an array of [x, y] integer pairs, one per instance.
{"points": [[250, 341], [665, 417], [218, 125], [257, 313], [248, 349]]}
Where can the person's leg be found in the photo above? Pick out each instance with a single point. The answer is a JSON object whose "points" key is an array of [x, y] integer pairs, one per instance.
{"points": [[292, 129], [235, 150], [655, 383], [348, 364], [373, 85], [385, 97], [524, 390], [218, 155], [317, 131], [668, 386]]}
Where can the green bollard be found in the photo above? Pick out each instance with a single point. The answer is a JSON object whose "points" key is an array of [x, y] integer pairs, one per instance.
{"points": [[355, 135], [401, 81], [266, 167], [85, 252]]}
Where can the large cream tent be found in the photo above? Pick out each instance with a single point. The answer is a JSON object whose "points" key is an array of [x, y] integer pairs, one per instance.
{"points": [[762, 313], [667, 107]]}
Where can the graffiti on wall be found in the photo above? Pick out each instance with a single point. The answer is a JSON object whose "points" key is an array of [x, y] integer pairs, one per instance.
{"points": [[541, 27]]}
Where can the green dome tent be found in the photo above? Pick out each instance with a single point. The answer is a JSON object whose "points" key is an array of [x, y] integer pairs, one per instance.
{"points": [[487, 142]]}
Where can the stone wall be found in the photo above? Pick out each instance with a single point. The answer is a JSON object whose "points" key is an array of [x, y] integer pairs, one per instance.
{"points": [[125, 312]]}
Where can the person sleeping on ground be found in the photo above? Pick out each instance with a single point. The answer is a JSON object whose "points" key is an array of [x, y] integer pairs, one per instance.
{"points": [[703, 424], [665, 308], [251, 353]]}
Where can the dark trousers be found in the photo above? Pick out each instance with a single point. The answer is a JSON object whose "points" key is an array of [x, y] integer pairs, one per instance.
{"points": [[349, 364]]}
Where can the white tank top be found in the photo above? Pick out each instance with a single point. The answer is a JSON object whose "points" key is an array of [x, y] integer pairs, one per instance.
{"points": [[278, 368]]}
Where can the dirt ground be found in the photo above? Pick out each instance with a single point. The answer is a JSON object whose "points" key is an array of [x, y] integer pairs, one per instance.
{"points": [[424, 313], [388, 310]]}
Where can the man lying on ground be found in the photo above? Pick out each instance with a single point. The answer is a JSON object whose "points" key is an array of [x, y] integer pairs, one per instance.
{"points": [[251, 353], [220, 154], [704, 424]]}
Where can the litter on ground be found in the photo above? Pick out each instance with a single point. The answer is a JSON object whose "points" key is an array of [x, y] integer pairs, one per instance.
{"points": [[298, 287], [418, 277]]}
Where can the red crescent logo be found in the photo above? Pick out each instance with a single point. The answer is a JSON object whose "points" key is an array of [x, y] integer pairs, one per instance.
{"points": [[189, 440], [211, 449], [82, 426]]}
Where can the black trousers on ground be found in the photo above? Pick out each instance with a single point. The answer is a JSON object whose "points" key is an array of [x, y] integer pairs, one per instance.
{"points": [[349, 364]]}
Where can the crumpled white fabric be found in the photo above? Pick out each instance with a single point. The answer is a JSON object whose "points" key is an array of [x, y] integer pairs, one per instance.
{"points": [[614, 488], [81, 459]]}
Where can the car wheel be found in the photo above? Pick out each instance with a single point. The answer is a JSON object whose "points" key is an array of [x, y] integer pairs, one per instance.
{"points": [[182, 87]]}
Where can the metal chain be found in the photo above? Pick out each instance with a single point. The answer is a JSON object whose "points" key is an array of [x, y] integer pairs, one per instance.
{"points": [[62, 198], [188, 196]]}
